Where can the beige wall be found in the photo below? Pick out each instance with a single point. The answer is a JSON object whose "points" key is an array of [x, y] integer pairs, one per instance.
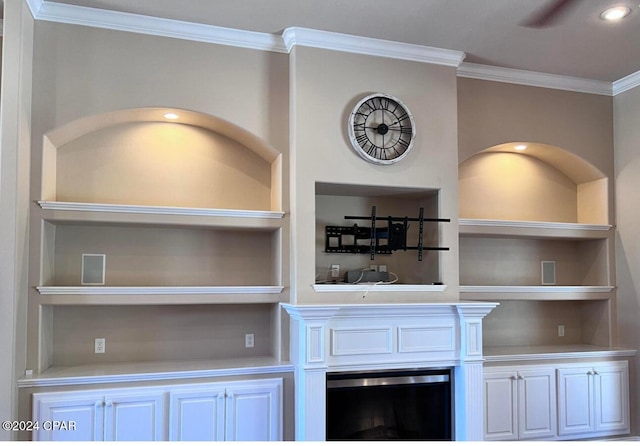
{"points": [[627, 182], [493, 113], [325, 86], [81, 71], [162, 164]]}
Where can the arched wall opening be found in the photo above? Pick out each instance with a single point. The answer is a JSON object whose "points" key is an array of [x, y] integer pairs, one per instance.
{"points": [[539, 183], [139, 156]]}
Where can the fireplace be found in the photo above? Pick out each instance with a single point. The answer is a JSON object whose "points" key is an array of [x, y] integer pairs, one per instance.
{"points": [[389, 405], [346, 342]]}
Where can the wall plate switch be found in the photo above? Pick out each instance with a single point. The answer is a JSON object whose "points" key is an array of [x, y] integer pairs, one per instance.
{"points": [[248, 340], [560, 330], [335, 271], [382, 268], [100, 345]]}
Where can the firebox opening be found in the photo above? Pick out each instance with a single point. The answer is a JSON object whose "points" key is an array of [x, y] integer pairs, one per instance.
{"points": [[390, 405]]}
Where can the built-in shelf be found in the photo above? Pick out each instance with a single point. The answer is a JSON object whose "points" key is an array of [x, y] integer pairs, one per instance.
{"points": [[552, 352], [532, 229], [372, 287], [152, 295], [72, 212], [153, 371], [475, 292]]}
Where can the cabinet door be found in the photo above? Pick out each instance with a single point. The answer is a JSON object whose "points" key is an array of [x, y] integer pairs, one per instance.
{"points": [[197, 414], [135, 416], [82, 413], [611, 388], [500, 405], [575, 401], [536, 403], [254, 411]]}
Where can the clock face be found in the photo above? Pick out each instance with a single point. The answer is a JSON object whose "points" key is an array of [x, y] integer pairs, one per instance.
{"points": [[381, 129]]}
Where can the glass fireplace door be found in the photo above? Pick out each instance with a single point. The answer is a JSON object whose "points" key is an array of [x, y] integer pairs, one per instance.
{"points": [[389, 405]]}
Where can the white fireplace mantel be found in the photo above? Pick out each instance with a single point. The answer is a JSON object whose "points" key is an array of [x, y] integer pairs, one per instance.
{"points": [[358, 337]]}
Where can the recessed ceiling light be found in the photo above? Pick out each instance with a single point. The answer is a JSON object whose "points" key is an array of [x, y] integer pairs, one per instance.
{"points": [[616, 13], [520, 147], [171, 115]]}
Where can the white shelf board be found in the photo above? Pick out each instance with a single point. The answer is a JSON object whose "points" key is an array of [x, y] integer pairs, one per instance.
{"points": [[162, 210], [534, 289], [153, 371], [551, 352], [372, 287], [109, 295], [96, 213], [550, 292], [533, 229], [159, 289]]}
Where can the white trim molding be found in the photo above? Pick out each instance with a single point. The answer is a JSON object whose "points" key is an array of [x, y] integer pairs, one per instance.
{"points": [[34, 7], [626, 83], [369, 46], [156, 26], [534, 79]]}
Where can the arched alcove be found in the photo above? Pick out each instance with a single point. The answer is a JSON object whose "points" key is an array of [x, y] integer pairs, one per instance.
{"points": [[540, 183], [141, 157]]}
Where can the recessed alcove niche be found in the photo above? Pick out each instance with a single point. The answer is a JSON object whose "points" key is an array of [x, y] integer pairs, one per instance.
{"points": [[334, 202], [535, 237], [139, 157], [188, 216]]}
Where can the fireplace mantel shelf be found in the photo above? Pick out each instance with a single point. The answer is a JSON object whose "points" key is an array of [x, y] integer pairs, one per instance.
{"points": [[383, 309]]}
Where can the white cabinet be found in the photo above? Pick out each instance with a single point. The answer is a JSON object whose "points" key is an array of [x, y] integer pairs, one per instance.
{"points": [[239, 411], [519, 403], [226, 411], [135, 416], [594, 399], [122, 414]]}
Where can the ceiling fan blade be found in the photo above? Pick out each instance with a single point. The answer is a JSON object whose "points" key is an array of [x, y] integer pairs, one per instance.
{"points": [[550, 14]]}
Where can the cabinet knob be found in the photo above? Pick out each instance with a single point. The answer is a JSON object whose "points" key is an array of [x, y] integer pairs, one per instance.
{"points": [[229, 394], [595, 372], [109, 403], [589, 372], [99, 403], [520, 376]]}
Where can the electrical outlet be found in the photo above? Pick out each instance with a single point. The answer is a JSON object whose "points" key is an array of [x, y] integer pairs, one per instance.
{"points": [[560, 330], [248, 340], [100, 345], [335, 271], [382, 268], [373, 267]]}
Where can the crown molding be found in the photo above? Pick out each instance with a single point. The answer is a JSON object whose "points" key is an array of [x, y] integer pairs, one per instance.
{"points": [[626, 83], [34, 7], [136, 23], [370, 46], [121, 21], [534, 79]]}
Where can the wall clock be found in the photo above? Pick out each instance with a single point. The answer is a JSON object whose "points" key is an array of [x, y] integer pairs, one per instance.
{"points": [[381, 129]]}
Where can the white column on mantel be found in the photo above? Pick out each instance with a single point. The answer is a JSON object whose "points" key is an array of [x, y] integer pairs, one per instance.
{"points": [[308, 353], [468, 378]]}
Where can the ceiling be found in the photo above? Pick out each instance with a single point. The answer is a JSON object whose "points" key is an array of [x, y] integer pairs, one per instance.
{"points": [[490, 32]]}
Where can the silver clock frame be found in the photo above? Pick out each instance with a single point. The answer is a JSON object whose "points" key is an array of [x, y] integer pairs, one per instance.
{"points": [[360, 150]]}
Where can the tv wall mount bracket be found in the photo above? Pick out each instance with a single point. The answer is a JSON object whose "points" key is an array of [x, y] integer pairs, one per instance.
{"points": [[381, 240]]}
